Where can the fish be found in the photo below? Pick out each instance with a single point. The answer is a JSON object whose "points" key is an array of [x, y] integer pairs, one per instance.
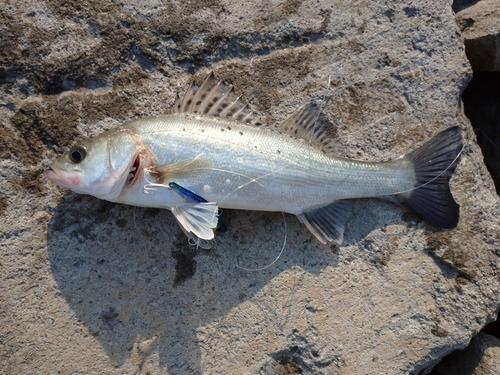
{"points": [[211, 152]]}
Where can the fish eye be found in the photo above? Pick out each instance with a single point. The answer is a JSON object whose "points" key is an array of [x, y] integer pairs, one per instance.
{"points": [[77, 154]]}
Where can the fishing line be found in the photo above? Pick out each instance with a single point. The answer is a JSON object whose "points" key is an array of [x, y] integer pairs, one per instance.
{"points": [[275, 259], [150, 187], [487, 138], [134, 211], [255, 180], [251, 180], [466, 143]]}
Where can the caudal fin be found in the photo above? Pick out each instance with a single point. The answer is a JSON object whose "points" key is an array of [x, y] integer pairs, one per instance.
{"points": [[434, 163]]}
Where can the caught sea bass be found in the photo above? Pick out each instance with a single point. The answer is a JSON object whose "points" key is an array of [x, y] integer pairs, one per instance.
{"points": [[210, 153]]}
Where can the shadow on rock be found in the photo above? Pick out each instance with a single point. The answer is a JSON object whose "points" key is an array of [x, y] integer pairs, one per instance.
{"points": [[130, 278]]}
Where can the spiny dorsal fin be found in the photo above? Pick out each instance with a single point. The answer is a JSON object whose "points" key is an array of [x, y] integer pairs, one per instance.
{"points": [[306, 124], [214, 98]]}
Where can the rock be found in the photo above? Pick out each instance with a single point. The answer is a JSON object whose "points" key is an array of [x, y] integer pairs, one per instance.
{"points": [[481, 357], [94, 287], [480, 26]]}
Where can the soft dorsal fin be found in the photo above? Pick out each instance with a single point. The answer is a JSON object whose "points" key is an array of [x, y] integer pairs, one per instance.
{"points": [[214, 98], [306, 123]]}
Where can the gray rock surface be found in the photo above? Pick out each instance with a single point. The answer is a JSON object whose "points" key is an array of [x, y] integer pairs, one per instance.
{"points": [[480, 25], [481, 357], [92, 287]]}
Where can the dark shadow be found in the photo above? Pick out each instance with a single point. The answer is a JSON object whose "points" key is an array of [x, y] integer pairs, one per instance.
{"points": [[493, 328], [131, 279], [482, 106], [459, 5]]}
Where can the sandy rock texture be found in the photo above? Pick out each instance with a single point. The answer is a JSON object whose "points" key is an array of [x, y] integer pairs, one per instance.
{"points": [[90, 287], [480, 26]]}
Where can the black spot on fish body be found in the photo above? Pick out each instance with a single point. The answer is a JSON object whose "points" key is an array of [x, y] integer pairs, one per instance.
{"points": [[241, 133]]}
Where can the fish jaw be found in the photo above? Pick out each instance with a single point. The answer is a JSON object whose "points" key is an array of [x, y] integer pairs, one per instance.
{"points": [[63, 178], [104, 186]]}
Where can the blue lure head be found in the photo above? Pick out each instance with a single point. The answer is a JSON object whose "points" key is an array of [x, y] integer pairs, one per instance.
{"points": [[192, 197]]}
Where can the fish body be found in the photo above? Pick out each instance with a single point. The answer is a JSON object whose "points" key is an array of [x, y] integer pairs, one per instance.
{"points": [[212, 148], [254, 168]]}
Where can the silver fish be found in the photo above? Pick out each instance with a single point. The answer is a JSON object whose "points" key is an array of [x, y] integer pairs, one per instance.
{"points": [[218, 155]]}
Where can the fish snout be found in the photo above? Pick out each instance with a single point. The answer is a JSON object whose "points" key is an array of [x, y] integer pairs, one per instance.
{"points": [[62, 178]]}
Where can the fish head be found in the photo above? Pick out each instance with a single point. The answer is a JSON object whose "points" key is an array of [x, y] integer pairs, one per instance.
{"points": [[99, 166]]}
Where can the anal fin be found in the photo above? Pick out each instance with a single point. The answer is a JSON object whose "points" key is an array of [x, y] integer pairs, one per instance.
{"points": [[327, 223]]}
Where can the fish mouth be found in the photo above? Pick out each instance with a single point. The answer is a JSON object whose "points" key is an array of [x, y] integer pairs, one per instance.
{"points": [[134, 170], [62, 178], [142, 162]]}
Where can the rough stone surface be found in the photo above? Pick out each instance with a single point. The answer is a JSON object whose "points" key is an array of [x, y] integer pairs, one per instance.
{"points": [[93, 287], [481, 357], [480, 25]]}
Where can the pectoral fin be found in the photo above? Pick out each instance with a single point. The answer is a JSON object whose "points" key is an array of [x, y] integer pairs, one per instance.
{"points": [[195, 167], [327, 223], [197, 218]]}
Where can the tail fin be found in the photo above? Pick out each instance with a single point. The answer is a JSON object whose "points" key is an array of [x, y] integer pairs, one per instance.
{"points": [[434, 163]]}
